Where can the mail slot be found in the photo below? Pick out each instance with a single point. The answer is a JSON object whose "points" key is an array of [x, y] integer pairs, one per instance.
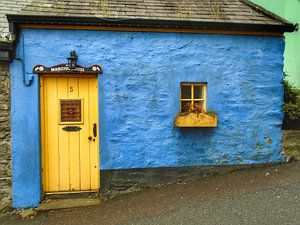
{"points": [[71, 128]]}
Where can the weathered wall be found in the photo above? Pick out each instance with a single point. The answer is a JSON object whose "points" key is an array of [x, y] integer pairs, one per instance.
{"points": [[291, 144], [139, 98], [5, 146]]}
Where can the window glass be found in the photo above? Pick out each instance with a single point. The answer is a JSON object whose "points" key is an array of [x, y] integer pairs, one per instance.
{"points": [[186, 92], [198, 92]]}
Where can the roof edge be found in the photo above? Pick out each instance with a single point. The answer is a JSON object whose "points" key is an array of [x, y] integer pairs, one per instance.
{"points": [[265, 11], [177, 24]]}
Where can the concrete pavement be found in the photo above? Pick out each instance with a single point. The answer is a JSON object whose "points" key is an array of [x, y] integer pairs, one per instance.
{"points": [[268, 195]]}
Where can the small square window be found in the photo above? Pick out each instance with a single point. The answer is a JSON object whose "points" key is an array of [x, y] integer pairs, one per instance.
{"points": [[70, 111], [192, 94]]}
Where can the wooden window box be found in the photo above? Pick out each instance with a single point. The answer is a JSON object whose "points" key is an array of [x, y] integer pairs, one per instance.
{"points": [[196, 120]]}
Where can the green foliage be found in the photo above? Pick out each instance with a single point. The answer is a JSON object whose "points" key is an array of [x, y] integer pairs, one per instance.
{"points": [[184, 9], [215, 10], [291, 110], [211, 112], [197, 108], [193, 108], [291, 94], [291, 106], [239, 159]]}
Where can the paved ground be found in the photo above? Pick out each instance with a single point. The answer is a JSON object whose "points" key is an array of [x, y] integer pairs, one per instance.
{"points": [[260, 196]]}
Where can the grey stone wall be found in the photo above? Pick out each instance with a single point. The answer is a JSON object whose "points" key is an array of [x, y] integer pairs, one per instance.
{"points": [[291, 144], [5, 140]]}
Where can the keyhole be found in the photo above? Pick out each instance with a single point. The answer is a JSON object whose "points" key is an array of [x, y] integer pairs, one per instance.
{"points": [[71, 89]]}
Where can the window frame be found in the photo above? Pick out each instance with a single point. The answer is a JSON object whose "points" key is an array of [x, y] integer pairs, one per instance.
{"points": [[60, 122], [192, 99]]}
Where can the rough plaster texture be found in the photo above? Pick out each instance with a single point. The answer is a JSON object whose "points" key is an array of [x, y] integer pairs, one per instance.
{"points": [[289, 10], [139, 98], [5, 146]]}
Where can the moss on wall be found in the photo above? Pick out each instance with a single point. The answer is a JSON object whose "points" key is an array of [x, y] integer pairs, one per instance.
{"points": [[5, 146]]}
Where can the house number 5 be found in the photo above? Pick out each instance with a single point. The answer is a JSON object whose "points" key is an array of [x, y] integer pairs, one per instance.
{"points": [[71, 89]]}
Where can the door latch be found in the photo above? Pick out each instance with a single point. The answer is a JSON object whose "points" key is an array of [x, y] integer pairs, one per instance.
{"points": [[95, 129]]}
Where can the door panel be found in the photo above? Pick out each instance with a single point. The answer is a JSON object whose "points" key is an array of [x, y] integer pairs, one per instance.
{"points": [[51, 134], [64, 151], [84, 146], [70, 159], [93, 102]]}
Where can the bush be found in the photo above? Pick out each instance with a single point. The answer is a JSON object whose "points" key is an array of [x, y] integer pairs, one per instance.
{"points": [[291, 107]]}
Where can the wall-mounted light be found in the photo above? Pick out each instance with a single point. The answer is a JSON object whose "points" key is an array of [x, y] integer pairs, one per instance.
{"points": [[72, 60], [5, 51]]}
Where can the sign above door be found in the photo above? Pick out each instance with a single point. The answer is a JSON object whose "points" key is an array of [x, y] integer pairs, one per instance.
{"points": [[70, 67]]}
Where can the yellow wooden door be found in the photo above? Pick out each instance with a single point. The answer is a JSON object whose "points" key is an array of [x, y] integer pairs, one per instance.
{"points": [[69, 121]]}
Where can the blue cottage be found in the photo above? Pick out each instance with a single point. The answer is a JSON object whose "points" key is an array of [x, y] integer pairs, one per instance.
{"points": [[112, 94]]}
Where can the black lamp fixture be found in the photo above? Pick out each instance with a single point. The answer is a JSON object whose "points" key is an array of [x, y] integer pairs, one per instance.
{"points": [[5, 51], [72, 60]]}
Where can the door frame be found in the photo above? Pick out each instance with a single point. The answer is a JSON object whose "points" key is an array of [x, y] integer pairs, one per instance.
{"points": [[42, 128]]}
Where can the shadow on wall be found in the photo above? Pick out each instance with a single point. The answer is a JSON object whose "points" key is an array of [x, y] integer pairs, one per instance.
{"points": [[195, 133]]}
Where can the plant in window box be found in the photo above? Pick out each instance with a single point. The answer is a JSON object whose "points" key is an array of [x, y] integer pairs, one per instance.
{"points": [[194, 116]]}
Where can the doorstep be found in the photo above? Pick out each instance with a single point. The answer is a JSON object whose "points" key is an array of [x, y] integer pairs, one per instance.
{"points": [[52, 204]]}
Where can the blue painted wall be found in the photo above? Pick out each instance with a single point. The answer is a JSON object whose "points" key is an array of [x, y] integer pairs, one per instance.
{"points": [[26, 167], [139, 98]]}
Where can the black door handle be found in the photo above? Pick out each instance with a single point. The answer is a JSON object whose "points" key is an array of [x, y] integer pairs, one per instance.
{"points": [[95, 129]]}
